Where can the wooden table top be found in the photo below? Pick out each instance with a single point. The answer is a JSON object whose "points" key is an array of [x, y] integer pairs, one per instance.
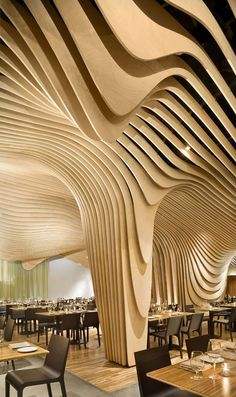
{"points": [[211, 309], [231, 305], [175, 376], [166, 314], [8, 354]]}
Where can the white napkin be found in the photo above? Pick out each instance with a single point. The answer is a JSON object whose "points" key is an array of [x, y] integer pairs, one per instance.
{"points": [[18, 345]]}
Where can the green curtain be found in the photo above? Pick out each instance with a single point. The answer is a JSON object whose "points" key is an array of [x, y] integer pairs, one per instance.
{"points": [[18, 283]]}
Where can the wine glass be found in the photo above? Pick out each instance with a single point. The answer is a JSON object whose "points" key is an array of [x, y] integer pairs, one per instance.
{"points": [[197, 364], [213, 352], [152, 308]]}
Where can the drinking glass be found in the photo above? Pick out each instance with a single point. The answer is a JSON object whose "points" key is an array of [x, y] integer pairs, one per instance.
{"points": [[152, 309], [213, 352], [197, 364]]}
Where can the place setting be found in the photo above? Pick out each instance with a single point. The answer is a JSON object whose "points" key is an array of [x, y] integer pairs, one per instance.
{"points": [[210, 360]]}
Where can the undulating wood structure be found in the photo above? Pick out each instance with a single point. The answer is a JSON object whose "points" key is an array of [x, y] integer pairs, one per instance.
{"points": [[118, 142]]}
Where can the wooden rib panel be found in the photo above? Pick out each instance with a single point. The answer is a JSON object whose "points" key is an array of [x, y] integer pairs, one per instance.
{"points": [[98, 103]]}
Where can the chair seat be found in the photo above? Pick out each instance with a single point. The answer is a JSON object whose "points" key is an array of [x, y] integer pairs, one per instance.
{"points": [[160, 333], [222, 321], [52, 370], [30, 377], [223, 313], [153, 329], [184, 329]]}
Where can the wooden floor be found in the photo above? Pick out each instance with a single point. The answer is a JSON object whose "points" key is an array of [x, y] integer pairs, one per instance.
{"points": [[91, 365]]}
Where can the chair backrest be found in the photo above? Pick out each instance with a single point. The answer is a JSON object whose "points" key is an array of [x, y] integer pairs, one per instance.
{"points": [[199, 343], [30, 313], [45, 319], [2, 309], [149, 360], [174, 325], [2, 322], [232, 317], [70, 321], [91, 306], [196, 321], [9, 328], [58, 350], [189, 308], [91, 319]]}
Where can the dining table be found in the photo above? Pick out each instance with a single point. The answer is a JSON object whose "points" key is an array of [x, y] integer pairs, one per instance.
{"points": [[57, 313], [231, 305], [179, 376], [164, 315], [213, 311], [161, 317], [18, 350]]}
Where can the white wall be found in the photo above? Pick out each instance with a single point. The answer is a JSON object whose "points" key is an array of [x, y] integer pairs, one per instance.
{"points": [[232, 271], [67, 279]]}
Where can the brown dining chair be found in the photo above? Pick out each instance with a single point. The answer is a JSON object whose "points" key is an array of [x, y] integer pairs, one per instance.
{"points": [[70, 324], [9, 328], [189, 308], [194, 325], [44, 325], [2, 322], [199, 343], [8, 333], [52, 371], [91, 320], [173, 328], [19, 317], [150, 360], [229, 322], [31, 320]]}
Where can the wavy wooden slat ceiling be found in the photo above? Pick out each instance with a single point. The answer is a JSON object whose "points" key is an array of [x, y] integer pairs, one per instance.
{"points": [[117, 140]]}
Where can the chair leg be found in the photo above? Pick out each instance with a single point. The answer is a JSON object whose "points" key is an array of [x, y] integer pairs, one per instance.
{"points": [[220, 329], [46, 331], [180, 346], [84, 338], [148, 341], [99, 341], [87, 334], [7, 389], [63, 388], [49, 390]]}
